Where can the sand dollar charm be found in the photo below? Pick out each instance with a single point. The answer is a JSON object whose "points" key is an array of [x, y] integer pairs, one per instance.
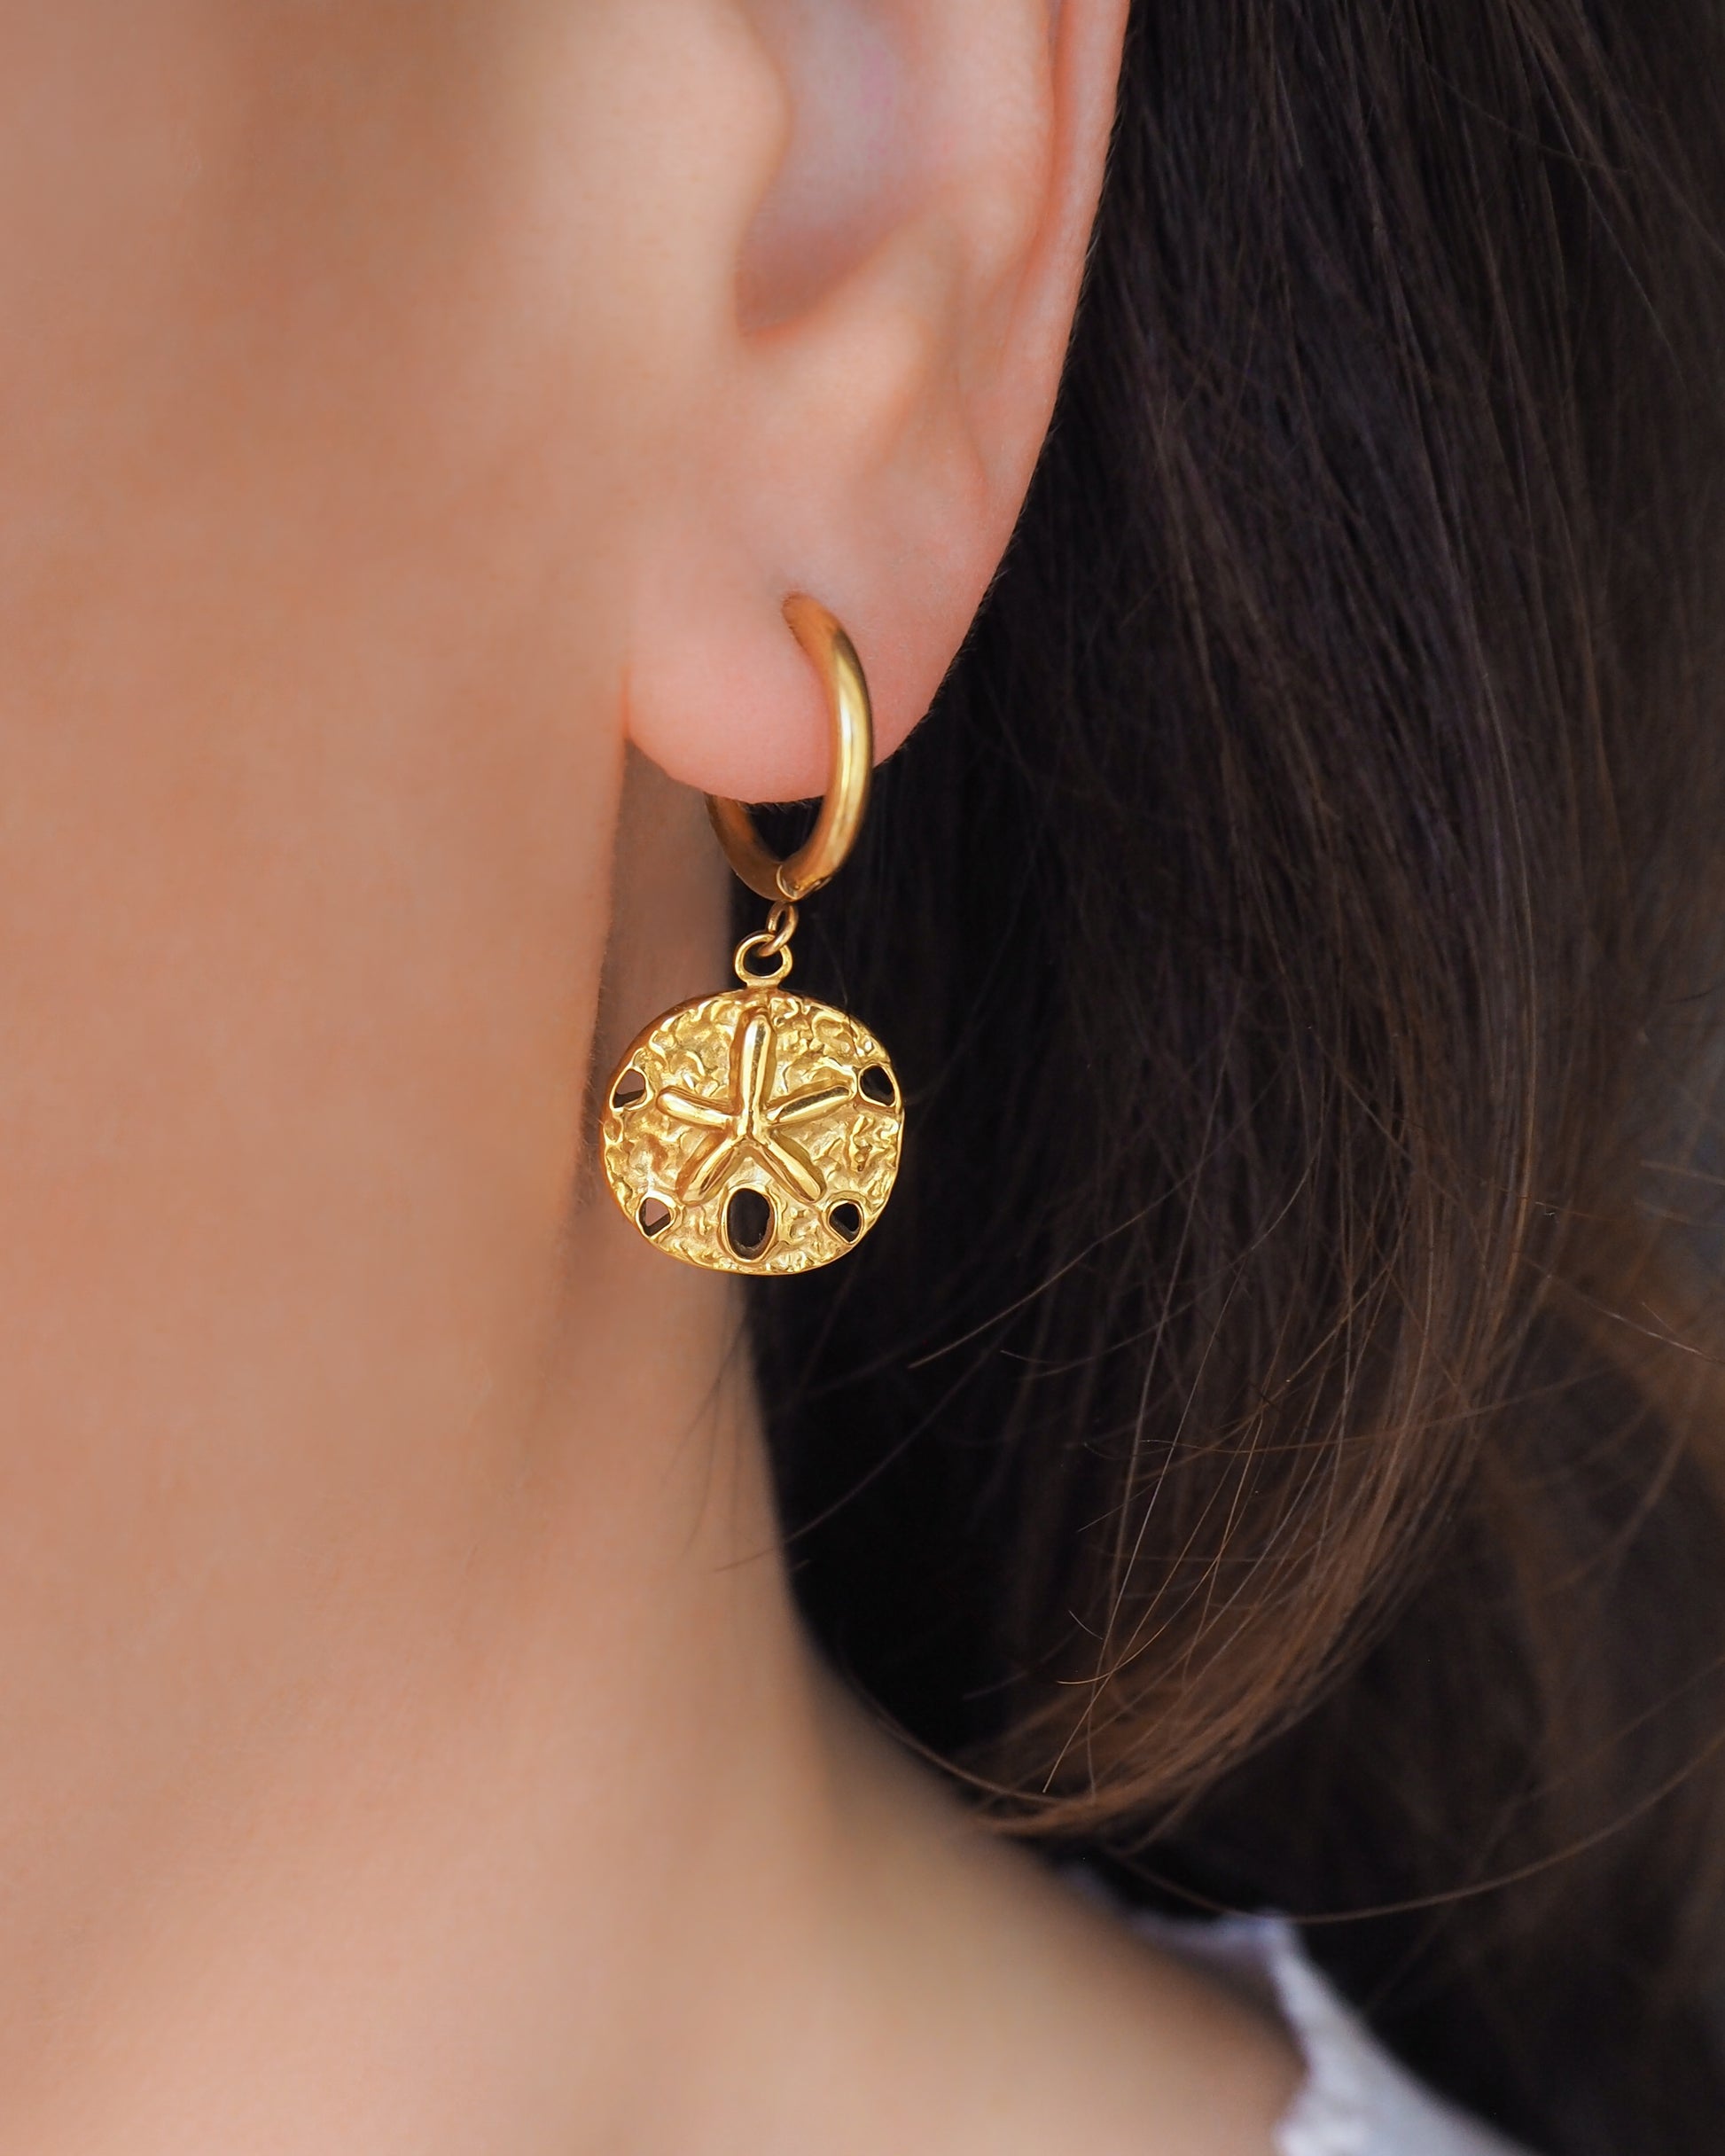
{"points": [[754, 1131]]}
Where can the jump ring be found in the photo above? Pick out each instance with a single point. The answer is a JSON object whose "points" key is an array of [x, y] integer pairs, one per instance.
{"points": [[781, 926]]}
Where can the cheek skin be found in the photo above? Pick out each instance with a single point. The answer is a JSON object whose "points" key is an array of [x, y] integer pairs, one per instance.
{"points": [[310, 501], [336, 362]]}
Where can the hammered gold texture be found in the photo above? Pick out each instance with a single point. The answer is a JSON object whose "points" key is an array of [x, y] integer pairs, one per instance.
{"points": [[757, 1089]]}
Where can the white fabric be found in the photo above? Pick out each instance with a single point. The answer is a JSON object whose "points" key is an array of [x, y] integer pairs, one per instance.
{"points": [[1356, 2101]]}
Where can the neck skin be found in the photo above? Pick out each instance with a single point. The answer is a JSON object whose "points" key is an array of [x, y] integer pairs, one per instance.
{"points": [[402, 1701], [411, 1745]]}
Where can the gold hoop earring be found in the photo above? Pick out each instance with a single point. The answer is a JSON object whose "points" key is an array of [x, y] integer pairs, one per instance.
{"points": [[756, 1131]]}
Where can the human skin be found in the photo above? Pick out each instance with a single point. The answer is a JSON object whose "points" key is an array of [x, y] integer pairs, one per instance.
{"points": [[411, 417]]}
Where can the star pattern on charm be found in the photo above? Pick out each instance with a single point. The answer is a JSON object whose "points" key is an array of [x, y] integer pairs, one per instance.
{"points": [[748, 1124]]}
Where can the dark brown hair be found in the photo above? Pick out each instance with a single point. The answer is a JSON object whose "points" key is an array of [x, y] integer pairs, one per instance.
{"points": [[1274, 1442]]}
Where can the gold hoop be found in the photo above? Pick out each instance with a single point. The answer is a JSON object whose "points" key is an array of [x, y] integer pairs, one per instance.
{"points": [[846, 798]]}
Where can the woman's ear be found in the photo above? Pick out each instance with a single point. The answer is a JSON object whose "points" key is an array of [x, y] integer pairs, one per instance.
{"points": [[861, 419]]}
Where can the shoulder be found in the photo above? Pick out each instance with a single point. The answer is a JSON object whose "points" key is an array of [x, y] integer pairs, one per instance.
{"points": [[1355, 2099]]}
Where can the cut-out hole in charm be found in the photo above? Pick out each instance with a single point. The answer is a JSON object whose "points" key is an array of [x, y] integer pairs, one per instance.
{"points": [[748, 1223], [629, 1089], [846, 1220], [654, 1216], [876, 1084]]}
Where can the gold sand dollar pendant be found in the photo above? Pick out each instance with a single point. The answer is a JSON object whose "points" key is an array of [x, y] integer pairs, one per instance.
{"points": [[754, 1131]]}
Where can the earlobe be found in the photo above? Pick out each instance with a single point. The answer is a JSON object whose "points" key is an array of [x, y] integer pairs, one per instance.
{"points": [[873, 413]]}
